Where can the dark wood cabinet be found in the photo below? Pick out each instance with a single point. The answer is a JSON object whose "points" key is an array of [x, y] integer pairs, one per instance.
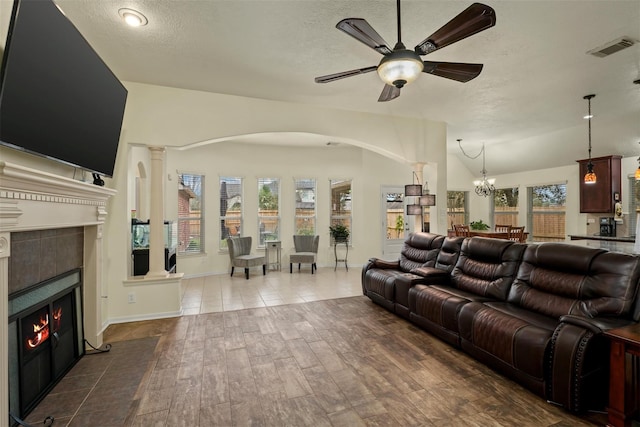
{"points": [[598, 197]]}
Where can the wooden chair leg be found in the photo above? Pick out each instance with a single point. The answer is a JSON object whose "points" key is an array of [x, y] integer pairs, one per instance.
{"points": [[291, 268], [232, 271], [246, 273], [298, 266], [264, 269]]}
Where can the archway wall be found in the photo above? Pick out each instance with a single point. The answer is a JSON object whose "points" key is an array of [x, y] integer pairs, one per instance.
{"points": [[179, 118]]}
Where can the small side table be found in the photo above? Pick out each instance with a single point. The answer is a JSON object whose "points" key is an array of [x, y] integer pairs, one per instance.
{"points": [[346, 254], [273, 246], [624, 375]]}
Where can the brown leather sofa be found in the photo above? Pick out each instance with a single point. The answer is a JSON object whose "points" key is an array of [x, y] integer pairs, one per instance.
{"points": [[534, 312]]}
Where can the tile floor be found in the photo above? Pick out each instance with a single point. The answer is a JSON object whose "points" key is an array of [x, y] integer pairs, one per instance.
{"points": [[218, 293]]}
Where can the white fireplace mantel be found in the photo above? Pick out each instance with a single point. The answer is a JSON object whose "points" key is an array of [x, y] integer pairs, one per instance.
{"points": [[31, 199]]}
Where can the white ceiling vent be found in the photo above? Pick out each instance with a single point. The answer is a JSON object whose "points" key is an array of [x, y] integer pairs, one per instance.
{"points": [[612, 47]]}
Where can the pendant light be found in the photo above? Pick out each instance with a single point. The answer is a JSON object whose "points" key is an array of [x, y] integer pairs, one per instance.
{"points": [[590, 176], [637, 176]]}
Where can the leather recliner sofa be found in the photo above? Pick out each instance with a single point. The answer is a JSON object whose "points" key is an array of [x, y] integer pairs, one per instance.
{"points": [[534, 312]]}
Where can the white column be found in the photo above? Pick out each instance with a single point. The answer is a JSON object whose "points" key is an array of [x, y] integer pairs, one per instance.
{"points": [[93, 292], [156, 215], [5, 252]]}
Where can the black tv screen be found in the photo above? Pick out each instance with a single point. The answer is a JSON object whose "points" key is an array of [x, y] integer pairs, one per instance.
{"points": [[58, 99]]}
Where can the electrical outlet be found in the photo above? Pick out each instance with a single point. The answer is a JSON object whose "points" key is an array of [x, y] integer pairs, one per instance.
{"points": [[132, 297], [590, 220]]}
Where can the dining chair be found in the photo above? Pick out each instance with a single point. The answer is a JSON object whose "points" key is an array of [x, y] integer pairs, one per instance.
{"points": [[461, 230], [516, 234], [306, 251], [501, 228], [240, 255]]}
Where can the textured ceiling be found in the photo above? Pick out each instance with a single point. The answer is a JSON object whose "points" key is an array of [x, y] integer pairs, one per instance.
{"points": [[526, 105]]}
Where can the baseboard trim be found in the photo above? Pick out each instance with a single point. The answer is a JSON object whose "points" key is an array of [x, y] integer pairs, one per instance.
{"points": [[141, 317]]}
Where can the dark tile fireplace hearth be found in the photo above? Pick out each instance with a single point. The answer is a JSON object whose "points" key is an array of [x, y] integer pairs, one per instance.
{"points": [[45, 338], [45, 323]]}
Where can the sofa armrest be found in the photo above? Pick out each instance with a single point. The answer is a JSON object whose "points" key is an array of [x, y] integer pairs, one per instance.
{"points": [[597, 324], [432, 275], [381, 263], [377, 263], [578, 362]]}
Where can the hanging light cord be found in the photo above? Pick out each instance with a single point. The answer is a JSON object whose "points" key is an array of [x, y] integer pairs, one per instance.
{"points": [[468, 156], [589, 101]]}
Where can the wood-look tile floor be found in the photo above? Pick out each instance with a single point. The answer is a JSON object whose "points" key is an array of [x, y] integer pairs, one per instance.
{"points": [[327, 362]]}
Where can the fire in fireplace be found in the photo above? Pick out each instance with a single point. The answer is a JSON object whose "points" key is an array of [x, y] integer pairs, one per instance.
{"points": [[45, 338]]}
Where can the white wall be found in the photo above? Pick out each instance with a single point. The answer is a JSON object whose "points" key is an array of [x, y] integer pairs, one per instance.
{"points": [[368, 171], [383, 151]]}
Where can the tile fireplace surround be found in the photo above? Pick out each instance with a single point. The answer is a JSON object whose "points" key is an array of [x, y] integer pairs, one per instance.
{"points": [[34, 200]]}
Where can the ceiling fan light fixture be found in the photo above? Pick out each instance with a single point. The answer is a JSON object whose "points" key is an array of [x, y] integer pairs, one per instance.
{"points": [[400, 68]]}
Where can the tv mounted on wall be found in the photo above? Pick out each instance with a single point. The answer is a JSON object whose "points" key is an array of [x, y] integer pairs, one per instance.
{"points": [[58, 99]]}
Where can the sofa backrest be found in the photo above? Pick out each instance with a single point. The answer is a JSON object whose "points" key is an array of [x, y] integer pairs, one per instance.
{"points": [[420, 250], [557, 279], [449, 253], [487, 267]]}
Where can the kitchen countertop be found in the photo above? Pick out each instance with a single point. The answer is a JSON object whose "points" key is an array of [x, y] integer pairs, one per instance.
{"points": [[627, 247], [603, 238]]}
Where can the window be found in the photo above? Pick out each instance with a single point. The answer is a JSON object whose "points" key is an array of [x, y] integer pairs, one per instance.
{"points": [[547, 207], [457, 211], [305, 215], [341, 204], [190, 214], [268, 209], [230, 209], [505, 206]]}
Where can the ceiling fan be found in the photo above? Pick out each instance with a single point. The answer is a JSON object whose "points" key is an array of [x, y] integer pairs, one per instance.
{"points": [[401, 66]]}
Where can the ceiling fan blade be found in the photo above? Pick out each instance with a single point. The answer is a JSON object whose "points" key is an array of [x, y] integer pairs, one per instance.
{"points": [[360, 30], [388, 93], [337, 76], [477, 17], [458, 71]]}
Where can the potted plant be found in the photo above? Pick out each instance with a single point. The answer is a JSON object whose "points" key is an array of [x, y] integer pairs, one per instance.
{"points": [[479, 225], [339, 232]]}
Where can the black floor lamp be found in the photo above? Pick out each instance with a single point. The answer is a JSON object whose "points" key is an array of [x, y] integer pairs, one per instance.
{"points": [[415, 190]]}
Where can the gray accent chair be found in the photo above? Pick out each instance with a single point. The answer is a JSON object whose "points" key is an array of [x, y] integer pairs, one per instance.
{"points": [[240, 255], [306, 251]]}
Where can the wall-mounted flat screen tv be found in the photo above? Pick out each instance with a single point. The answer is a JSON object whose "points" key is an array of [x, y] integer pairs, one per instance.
{"points": [[58, 99]]}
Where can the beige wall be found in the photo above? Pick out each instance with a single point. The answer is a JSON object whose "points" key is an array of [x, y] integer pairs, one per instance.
{"points": [[196, 128]]}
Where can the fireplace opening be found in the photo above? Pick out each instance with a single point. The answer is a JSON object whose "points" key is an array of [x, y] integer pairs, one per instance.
{"points": [[45, 338]]}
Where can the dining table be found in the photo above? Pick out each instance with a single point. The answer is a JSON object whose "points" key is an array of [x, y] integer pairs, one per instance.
{"points": [[493, 234]]}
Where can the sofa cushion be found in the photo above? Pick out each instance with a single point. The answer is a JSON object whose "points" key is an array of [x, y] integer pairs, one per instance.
{"points": [[555, 281], [487, 267], [449, 253], [420, 250]]}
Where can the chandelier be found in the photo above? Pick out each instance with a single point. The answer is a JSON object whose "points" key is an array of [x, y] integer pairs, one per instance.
{"points": [[485, 186]]}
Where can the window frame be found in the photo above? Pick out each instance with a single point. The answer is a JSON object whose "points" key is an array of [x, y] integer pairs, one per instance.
{"points": [[261, 219], [496, 214], [337, 218], [183, 250], [297, 215], [531, 214], [465, 208], [238, 183]]}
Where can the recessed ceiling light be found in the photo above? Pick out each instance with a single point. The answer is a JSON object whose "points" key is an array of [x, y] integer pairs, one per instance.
{"points": [[133, 17]]}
